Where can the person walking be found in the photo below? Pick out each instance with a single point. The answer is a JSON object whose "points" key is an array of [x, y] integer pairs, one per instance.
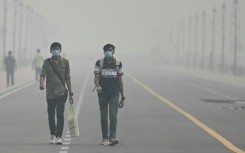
{"points": [[56, 70], [10, 67], [37, 64], [109, 84]]}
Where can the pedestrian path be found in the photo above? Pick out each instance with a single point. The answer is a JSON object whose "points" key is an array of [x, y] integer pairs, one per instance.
{"points": [[22, 76]]}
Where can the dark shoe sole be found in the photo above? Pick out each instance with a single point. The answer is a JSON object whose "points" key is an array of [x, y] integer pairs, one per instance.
{"points": [[113, 143], [59, 143], [51, 143]]}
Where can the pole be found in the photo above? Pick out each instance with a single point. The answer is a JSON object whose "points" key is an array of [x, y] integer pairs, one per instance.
{"points": [[44, 32], [183, 41], [196, 40], [203, 38], [235, 37], [4, 28], [178, 41], [37, 31], [223, 38], [20, 32], [213, 41], [189, 43], [14, 27], [31, 33], [26, 34]]}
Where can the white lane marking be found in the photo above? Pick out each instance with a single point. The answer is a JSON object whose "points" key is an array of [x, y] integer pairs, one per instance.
{"points": [[240, 102], [67, 139], [205, 89], [68, 136], [210, 131], [64, 148], [66, 143], [17, 89], [80, 101]]}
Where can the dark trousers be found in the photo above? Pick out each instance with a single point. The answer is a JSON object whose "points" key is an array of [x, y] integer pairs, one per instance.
{"points": [[56, 106], [38, 73], [10, 75], [112, 103]]}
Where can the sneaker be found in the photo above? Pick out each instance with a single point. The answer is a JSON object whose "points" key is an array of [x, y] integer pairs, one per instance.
{"points": [[104, 142], [52, 139], [59, 141], [113, 142]]}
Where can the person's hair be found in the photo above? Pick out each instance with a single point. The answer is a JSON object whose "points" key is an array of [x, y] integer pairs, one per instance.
{"points": [[55, 44], [107, 46]]}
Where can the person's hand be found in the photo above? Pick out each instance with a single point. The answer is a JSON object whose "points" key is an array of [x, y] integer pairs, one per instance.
{"points": [[71, 99], [99, 89], [41, 87], [121, 103]]}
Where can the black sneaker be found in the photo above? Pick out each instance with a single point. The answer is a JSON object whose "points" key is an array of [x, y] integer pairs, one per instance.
{"points": [[113, 141]]}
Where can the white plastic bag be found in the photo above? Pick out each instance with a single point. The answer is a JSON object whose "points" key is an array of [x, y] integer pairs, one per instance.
{"points": [[72, 122]]}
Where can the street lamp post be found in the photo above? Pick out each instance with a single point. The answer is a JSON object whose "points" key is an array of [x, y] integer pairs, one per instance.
{"points": [[35, 30], [31, 31], [235, 37], [196, 40], [14, 26], [203, 38], [223, 38], [20, 32], [178, 41], [4, 28], [26, 33], [43, 31], [189, 43], [213, 41], [183, 40]]}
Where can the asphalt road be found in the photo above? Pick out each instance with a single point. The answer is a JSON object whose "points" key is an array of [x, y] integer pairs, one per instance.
{"points": [[165, 112]]}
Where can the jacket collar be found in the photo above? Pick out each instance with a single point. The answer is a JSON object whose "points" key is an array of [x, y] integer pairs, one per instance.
{"points": [[112, 60], [60, 59]]}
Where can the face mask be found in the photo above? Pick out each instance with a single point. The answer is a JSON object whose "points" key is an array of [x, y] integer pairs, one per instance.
{"points": [[108, 54], [56, 52]]}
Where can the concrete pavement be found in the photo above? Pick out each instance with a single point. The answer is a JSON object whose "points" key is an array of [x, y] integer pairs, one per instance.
{"points": [[22, 77]]}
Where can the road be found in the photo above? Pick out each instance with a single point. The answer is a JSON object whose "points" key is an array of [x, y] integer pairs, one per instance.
{"points": [[165, 112]]}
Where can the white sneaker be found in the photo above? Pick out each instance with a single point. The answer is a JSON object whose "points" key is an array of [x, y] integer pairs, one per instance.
{"points": [[113, 142], [104, 142], [59, 141], [52, 139]]}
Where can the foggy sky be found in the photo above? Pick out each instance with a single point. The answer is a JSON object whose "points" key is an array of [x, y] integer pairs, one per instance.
{"points": [[132, 25]]}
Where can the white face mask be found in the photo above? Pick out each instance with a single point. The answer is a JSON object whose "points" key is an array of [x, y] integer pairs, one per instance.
{"points": [[108, 54], [56, 52]]}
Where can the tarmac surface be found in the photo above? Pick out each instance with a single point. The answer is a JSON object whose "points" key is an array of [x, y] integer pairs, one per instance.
{"points": [[167, 110]]}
